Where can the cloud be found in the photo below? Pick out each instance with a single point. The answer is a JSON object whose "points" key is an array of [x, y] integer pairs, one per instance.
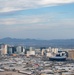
{"points": [[36, 22], [23, 20], [14, 5], [55, 2], [8, 9]]}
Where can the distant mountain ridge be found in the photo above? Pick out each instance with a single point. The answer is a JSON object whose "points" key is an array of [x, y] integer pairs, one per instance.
{"points": [[64, 43]]}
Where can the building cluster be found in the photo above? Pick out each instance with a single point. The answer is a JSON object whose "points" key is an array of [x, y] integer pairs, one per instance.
{"points": [[32, 51], [7, 49]]}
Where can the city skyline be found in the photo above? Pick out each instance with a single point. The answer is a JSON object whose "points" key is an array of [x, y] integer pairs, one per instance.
{"points": [[37, 19]]}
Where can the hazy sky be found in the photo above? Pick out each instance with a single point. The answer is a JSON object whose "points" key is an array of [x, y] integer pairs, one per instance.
{"points": [[38, 19]]}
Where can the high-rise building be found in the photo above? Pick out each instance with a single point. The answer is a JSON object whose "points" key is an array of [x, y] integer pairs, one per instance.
{"points": [[4, 48], [55, 50], [19, 49], [32, 48], [11, 49], [43, 50], [0, 51]]}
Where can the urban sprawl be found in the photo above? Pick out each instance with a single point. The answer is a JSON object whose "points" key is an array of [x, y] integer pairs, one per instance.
{"points": [[21, 60]]}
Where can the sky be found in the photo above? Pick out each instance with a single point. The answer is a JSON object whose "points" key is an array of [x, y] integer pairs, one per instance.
{"points": [[37, 19]]}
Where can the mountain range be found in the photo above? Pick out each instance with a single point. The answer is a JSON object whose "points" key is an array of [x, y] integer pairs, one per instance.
{"points": [[63, 43]]}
